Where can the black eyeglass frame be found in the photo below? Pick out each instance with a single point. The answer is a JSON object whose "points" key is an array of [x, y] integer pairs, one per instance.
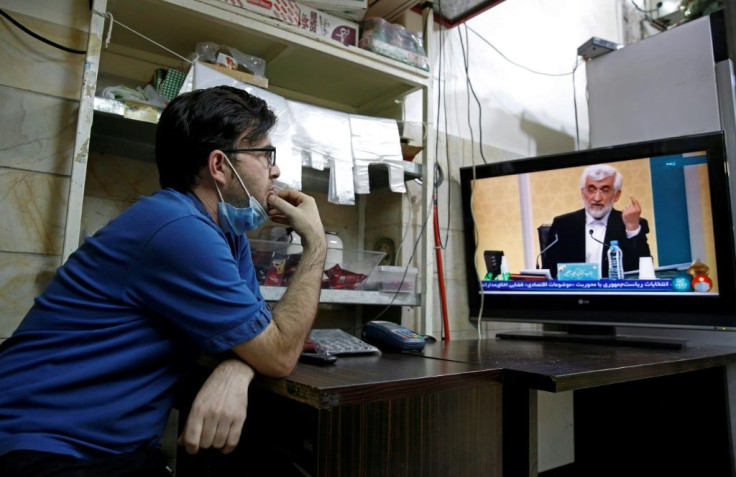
{"points": [[271, 159]]}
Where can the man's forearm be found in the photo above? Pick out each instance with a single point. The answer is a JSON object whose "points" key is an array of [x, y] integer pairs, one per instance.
{"points": [[295, 312], [219, 409], [276, 350]]}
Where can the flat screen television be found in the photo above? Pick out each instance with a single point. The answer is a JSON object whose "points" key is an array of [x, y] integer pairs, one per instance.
{"points": [[525, 266]]}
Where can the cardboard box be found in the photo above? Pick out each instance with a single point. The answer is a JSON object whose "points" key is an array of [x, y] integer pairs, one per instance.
{"points": [[240, 75], [394, 41], [339, 4], [306, 18], [351, 9]]}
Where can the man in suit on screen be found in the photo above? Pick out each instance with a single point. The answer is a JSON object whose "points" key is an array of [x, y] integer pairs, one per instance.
{"points": [[586, 234]]}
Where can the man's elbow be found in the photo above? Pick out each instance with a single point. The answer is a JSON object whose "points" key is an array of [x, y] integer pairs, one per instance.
{"points": [[267, 356], [276, 368]]}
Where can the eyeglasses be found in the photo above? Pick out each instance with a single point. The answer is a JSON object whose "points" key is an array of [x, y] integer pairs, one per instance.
{"points": [[268, 152]]}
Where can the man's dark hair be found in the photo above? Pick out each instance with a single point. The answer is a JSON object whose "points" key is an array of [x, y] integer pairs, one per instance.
{"points": [[196, 123]]}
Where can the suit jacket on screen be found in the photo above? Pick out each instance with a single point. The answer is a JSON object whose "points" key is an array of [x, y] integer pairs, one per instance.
{"points": [[571, 233]]}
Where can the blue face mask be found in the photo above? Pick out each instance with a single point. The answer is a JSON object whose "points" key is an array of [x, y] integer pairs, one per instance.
{"points": [[239, 220]]}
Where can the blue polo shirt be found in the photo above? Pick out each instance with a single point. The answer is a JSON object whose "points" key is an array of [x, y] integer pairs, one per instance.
{"points": [[90, 370]]}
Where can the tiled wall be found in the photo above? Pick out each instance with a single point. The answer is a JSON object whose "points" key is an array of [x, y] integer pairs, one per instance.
{"points": [[39, 87], [462, 153]]}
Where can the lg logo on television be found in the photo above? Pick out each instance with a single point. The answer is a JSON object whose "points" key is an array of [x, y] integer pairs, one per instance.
{"points": [[583, 301]]}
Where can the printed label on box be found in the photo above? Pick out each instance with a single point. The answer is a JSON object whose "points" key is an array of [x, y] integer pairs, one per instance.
{"points": [[306, 18]]}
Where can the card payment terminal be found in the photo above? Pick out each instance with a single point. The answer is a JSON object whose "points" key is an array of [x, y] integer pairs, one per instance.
{"points": [[392, 337]]}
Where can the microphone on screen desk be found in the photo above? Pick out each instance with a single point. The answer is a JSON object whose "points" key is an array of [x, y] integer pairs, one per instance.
{"points": [[557, 238], [593, 237]]}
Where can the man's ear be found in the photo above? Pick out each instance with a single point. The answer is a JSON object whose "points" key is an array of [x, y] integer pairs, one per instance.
{"points": [[617, 196], [217, 166]]}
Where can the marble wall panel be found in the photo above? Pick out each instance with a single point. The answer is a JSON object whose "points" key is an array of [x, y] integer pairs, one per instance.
{"points": [[33, 207], [97, 212], [449, 208], [38, 131], [462, 154], [119, 178], [412, 206], [22, 278], [32, 65], [457, 307], [410, 246], [66, 12], [453, 254], [113, 184]]}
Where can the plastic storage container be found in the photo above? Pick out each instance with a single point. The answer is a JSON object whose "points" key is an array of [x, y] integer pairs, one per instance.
{"points": [[389, 278], [394, 41], [276, 262]]}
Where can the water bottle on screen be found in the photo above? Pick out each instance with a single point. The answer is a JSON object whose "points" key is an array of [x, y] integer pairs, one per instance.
{"points": [[615, 261]]}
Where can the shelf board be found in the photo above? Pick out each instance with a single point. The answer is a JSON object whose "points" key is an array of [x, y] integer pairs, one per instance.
{"points": [[299, 64], [352, 297], [115, 133]]}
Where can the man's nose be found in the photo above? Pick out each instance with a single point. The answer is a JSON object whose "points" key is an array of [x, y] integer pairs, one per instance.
{"points": [[275, 172]]}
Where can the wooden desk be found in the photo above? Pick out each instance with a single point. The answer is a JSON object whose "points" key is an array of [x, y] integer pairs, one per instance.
{"points": [[368, 416], [637, 411], [470, 408]]}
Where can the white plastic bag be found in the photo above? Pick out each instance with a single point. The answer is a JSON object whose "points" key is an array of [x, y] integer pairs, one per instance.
{"points": [[323, 135], [376, 140]]}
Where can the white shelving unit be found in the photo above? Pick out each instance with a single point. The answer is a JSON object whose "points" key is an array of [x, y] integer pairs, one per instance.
{"points": [[299, 65], [113, 132]]}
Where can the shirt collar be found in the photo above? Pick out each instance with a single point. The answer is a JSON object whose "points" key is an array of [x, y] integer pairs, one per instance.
{"points": [[591, 221], [198, 203]]}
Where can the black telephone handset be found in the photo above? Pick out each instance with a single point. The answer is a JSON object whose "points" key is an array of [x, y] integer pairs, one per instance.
{"points": [[392, 337]]}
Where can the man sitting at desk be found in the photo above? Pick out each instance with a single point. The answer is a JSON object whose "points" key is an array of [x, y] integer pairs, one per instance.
{"points": [[585, 235], [88, 377]]}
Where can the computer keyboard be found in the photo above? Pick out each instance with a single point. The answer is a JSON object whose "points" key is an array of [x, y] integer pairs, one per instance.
{"points": [[338, 342]]}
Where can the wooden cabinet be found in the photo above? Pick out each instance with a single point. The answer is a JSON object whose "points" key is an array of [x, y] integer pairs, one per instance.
{"points": [[371, 415], [150, 34]]}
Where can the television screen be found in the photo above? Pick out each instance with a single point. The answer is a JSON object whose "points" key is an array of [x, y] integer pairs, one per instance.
{"points": [[632, 235]]}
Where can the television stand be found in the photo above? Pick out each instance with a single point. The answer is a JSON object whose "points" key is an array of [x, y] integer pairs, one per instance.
{"points": [[591, 334]]}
